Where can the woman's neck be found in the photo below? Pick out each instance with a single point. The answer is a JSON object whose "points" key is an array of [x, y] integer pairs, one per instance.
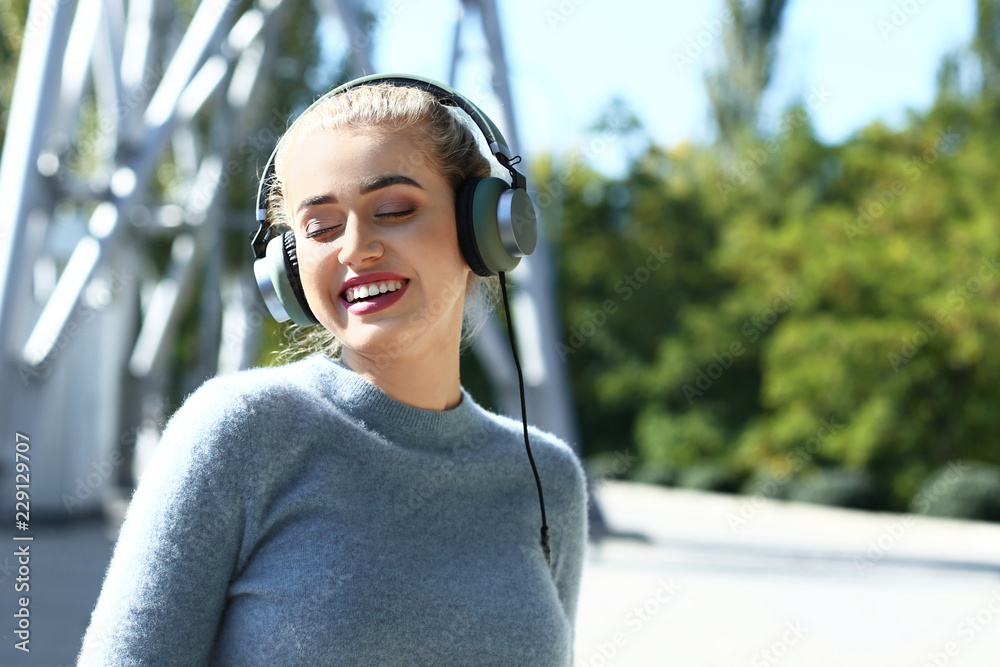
{"points": [[430, 381]]}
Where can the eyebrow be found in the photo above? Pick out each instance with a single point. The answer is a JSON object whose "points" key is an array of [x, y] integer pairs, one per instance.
{"points": [[385, 181], [376, 183], [318, 200]]}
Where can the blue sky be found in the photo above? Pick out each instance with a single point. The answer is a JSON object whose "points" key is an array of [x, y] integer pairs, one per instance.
{"points": [[568, 58]]}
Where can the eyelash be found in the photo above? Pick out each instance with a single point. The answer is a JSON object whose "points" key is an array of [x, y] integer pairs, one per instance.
{"points": [[392, 215], [321, 231]]}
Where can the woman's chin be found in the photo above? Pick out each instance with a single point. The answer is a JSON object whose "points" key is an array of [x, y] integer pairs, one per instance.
{"points": [[381, 344]]}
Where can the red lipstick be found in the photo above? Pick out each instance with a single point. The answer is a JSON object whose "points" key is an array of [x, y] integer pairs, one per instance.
{"points": [[372, 304]]}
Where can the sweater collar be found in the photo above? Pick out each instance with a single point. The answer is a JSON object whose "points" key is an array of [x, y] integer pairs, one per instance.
{"points": [[361, 399]]}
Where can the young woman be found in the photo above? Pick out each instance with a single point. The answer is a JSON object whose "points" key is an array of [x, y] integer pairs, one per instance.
{"points": [[356, 507]]}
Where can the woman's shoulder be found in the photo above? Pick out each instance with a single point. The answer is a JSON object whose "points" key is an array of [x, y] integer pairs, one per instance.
{"points": [[549, 450], [246, 396], [227, 425], [261, 387], [563, 458]]}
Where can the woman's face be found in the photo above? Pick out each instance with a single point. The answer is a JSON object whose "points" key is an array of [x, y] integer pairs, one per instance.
{"points": [[375, 235]]}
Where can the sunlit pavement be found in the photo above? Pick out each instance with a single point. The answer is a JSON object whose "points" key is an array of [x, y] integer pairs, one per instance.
{"points": [[723, 581], [67, 566]]}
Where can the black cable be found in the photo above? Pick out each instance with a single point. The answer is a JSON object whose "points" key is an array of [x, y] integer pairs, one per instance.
{"points": [[524, 420]]}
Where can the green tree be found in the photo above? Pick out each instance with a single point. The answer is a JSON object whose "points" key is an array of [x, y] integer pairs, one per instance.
{"points": [[987, 44], [749, 42], [825, 309], [13, 16]]}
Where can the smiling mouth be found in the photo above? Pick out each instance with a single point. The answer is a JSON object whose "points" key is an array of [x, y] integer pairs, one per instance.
{"points": [[367, 292]]}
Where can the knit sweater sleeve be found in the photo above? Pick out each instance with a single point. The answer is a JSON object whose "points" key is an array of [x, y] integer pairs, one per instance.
{"points": [[165, 589], [568, 524]]}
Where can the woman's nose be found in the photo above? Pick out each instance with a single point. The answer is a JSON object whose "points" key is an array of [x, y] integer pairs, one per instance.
{"points": [[360, 242]]}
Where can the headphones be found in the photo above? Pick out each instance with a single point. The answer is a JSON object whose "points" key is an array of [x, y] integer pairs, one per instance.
{"points": [[496, 220]]}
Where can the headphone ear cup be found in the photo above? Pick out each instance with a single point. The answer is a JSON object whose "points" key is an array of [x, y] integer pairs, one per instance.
{"points": [[292, 269], [278, 279], [464, 218], [476, 214]]}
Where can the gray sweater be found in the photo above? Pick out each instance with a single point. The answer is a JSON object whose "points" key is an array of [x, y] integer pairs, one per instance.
{"points": [[300, 516]]}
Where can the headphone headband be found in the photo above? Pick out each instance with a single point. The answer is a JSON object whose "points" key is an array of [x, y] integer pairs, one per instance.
{"points": [[444, 94]]}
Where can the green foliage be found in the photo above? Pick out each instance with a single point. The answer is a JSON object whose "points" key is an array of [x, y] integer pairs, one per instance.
{"points": [[987, 42], [846, 488], [709, 476], [13, 16], [655, 473], [824, 308], [972, 493], [749, 32]]}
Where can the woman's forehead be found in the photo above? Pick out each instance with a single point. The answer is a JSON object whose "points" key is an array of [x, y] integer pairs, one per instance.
{"points": [[345, 163], [344, 160], [364, 145]]}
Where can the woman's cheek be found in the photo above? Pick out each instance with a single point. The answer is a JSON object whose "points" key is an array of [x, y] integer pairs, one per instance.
{"points": [[315, 276]]}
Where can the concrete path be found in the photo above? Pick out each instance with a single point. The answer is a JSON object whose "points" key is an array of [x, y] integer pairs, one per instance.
{"points": [[724, 581], [67, 566]]}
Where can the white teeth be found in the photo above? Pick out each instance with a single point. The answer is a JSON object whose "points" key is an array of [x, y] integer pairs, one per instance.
{"points": [[354, 293]]}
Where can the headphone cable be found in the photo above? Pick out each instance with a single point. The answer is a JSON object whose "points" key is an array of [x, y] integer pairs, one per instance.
{"points": [[524, 420]]}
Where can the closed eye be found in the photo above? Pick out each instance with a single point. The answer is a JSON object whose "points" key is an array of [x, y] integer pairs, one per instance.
{"points": [[319, 230], [395, 215]]}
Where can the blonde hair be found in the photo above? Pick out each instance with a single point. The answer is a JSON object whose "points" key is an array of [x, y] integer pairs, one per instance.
{"points": [[441, 139]]}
